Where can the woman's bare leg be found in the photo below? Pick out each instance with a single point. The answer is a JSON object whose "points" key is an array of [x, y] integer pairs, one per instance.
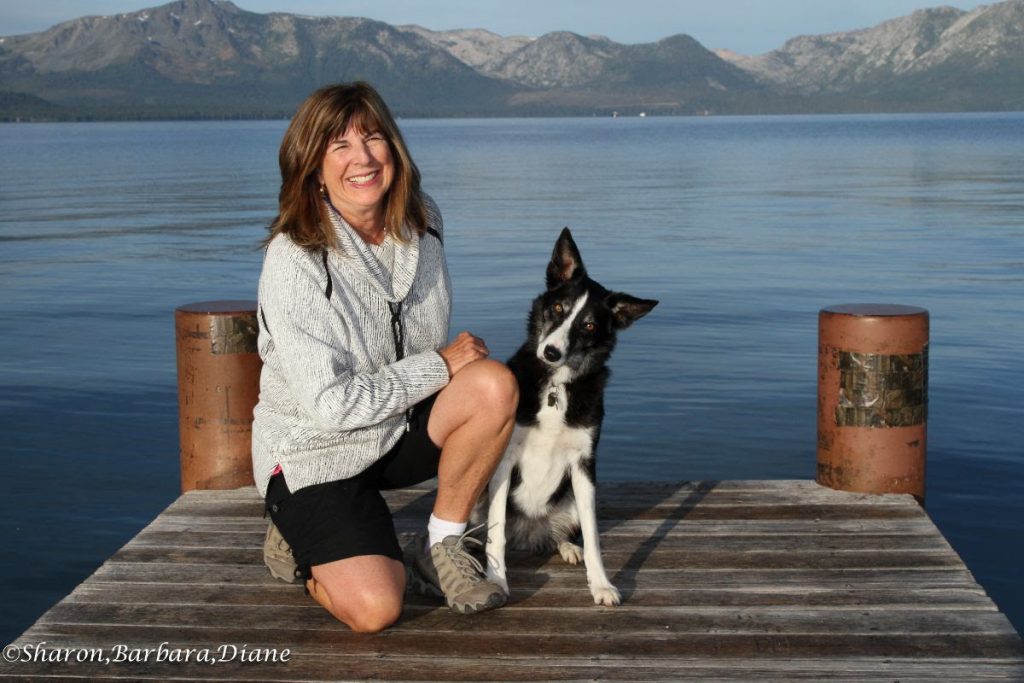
{"points": [[472, 421]]}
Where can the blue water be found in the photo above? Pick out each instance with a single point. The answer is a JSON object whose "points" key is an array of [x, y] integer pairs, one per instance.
{"points": [[743, 228]]}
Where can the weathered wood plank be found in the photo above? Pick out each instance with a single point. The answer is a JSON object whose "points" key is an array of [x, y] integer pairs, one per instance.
{"points": [[615, 501], [617, 494], [760, 580], [159, 537], [408, 525], [474, 641], [324, 666], [563, 620], [552, 596], [609, 511], [564, 575], [635, 489], [615, 561]]}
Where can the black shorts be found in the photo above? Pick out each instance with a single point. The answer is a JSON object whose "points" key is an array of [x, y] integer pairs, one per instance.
{"points": [[347, 518]]}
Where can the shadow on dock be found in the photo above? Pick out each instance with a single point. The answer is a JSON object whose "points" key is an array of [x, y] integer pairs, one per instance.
{"points": [[625, 578]]}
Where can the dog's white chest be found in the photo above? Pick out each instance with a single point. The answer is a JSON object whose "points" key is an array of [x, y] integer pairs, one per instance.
{"points": [[545, 452]]}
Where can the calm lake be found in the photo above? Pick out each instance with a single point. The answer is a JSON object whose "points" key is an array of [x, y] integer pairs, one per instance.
{"points": [[743, 228]]}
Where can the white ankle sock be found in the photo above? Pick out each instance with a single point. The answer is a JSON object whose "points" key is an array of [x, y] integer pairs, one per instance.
{"points": [[439, 529]]}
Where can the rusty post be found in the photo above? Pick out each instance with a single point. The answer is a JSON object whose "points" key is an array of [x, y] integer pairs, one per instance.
{"points": [[873, 398], [218, 386]]}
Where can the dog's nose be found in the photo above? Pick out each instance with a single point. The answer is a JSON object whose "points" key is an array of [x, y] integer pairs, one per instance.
{"points": [[552, 354]]}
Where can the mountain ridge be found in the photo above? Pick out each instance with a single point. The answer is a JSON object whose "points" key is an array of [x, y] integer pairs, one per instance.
{"points": [[211, 58]]}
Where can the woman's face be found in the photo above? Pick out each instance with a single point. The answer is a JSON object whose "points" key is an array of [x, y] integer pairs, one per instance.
{"points": [[357, 170]]}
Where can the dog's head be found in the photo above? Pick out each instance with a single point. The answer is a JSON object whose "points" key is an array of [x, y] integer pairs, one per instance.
{"points": [[573, 324]]}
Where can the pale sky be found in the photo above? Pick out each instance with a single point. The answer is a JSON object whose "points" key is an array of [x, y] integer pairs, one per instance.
{"points": [[746, 26]]}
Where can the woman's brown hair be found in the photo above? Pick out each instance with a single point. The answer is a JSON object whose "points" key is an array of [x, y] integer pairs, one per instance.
{"points": [[324, 116]]}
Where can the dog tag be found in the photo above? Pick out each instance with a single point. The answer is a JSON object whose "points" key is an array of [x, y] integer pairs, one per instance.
{"points": [[552, 399]]}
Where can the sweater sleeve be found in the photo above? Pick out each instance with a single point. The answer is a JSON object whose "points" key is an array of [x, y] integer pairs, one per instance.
{"points": [[311, 355]]}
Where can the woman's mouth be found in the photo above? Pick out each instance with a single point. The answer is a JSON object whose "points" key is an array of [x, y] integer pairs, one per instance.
{"points": [[364, 180]]}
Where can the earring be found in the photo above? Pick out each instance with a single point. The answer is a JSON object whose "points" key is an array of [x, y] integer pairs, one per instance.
{"points": [[323, 190]]}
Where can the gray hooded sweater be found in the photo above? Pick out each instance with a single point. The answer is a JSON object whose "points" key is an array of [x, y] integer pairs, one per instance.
{"points": [[334, 388]]}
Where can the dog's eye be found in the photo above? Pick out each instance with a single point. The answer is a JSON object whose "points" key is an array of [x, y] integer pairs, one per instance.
{"points": [[557, 308], [589, 327]]}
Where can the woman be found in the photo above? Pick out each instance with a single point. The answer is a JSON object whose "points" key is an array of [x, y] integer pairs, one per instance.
{"points": [[359, 392]]}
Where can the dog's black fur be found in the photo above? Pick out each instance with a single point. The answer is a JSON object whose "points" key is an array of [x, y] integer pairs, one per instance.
{"points": [[548, 475]]}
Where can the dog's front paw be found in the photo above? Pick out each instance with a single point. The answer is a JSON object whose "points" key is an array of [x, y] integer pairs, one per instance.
{"points": [[606, 595], [499, 580], [570, 552]]}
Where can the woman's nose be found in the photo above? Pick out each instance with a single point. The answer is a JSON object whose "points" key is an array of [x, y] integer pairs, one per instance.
{"points": [[361, 153]]}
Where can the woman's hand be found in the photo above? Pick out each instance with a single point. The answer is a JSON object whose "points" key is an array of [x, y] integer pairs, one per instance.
{"points": [[464, 350]]}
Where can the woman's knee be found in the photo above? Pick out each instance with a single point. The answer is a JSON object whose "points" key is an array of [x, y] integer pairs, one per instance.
{"points": [[495, 386], [367, 610], [366, 604], [376, 612]]}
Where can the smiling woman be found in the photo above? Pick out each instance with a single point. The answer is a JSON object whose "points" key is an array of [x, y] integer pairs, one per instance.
{"points": [[356, 176], [358, 392], [343, 146]]}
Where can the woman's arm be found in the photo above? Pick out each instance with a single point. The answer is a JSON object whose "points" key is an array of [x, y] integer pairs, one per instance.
{"points": [[308, 350]]}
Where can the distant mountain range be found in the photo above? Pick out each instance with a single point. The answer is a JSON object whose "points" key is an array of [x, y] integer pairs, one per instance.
{"points": [[211, 59]]}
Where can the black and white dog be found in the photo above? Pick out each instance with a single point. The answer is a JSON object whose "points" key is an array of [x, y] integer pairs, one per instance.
{"points": [[543, 492]]}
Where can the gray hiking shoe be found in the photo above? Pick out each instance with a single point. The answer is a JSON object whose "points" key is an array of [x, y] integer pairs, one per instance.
{"points": [[448, 570], [277, 555]]}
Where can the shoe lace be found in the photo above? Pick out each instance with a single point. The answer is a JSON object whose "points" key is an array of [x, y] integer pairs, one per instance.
{"points": [[460, 557], [282, 545]]}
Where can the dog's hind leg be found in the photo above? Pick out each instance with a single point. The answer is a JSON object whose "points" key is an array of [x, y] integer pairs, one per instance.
{"points": [[565, 525], [570, 552], [586, 504]]}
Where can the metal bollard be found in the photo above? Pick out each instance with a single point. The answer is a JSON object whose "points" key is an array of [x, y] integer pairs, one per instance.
{"points": [[218, 386], [873, 398]]}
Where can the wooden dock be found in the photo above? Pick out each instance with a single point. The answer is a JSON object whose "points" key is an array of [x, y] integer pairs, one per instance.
{"points": [[732, 580]]}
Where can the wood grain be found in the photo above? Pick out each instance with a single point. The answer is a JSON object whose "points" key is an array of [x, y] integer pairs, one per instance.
{"points": [[740, 580]]}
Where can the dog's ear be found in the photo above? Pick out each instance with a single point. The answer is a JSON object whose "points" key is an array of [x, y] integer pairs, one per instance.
{"points": [[627, 309], [566, 263]]}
